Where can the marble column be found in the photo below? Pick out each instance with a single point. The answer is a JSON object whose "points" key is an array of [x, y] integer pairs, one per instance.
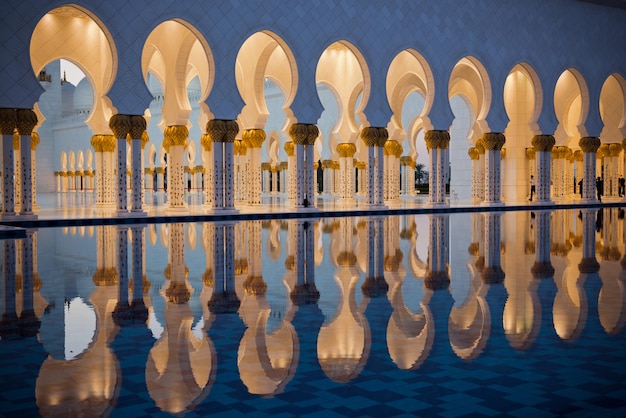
{"points": [[542, 145], [120, 125], [474, 156], [304, 136], [437, 276], [34, 142], [255, 139], [222, 134], [589, 146], [615, 150], [492, 273], [291, 172], [437, 143], [104, 147], [542, 268], [346, 169], [175, 143], [493, 142], [374, 138], [26, 121], [8, 124], [138, 140], [207, 149]]}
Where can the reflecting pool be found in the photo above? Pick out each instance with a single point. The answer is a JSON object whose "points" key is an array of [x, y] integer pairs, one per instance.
{"points": [[491, 313]]}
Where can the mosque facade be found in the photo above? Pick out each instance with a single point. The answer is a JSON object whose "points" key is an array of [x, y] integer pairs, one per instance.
{"points": [[237, 99]]}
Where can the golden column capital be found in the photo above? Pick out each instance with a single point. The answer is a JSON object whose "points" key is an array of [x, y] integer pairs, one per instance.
{"points": [[578, 155], [300, 132], [502, 153], [175, 135], [530, 153], [215, 129], [289, 148], [206, 142], [615, 149], [8, 121], [436, 139], [137, 126], [346, 150], [34, 140], [145, 138], [254, 137], [313, 133], [604, 149], [480, 147], [232, 129], [589, 143], [543, 143], [374, 137], [26, 121], [493, 141], [120, 125]]}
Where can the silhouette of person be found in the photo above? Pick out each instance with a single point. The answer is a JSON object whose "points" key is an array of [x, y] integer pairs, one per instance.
{"points": [[532, 188]]}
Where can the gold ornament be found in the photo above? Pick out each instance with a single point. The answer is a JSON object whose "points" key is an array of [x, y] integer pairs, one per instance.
{"points": [[493, 141], [254, 137], [437, 139], [543, 143], [346, 150], [589, 143], [26, 121], [120, 125], [8, 121]]}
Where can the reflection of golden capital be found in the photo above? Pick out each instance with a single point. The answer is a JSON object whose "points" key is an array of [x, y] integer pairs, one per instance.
{"points": [[542, 270], [436, 139], [137, 126], [589, 143], [615, 149], [207, 278], [26, 121], [105, 276], [8, 121], [493, 141], [543, 143], [289, 148], [120, 125], [374, 136], [178, 293], [255, 285], [473, 248], [436, 280], [346, 259], [493, 275], [290, 262], [206, 142], [393, 262], [175, 135], [254, 136], [346, 150], [589, 265], [473, 153]]}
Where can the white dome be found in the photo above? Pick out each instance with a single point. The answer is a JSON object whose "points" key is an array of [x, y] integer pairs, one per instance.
{"points": [[83, 96]]}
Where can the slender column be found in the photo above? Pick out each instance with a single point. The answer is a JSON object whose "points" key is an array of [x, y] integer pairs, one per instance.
{"points": [[346, 156], [437, 143], [614, 151], [542, 145], [493, 143], [8, 124], [542, 268], [624, 168], [255, 139], [265, 177], [437, 276], [244, 170], [481, 170], [34, 142], [589, 146], [138, 140], [175, 143], [207, 146], [492, 272], [309, 170], [303, 136], [589, 264], [474, 156], [26, 121], [291, 172], [17, 173], [222, 134], [104, 146], [374, 138], [120, 125]]}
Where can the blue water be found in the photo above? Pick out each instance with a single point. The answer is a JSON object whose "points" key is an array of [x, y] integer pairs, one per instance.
{"points": [[419, 315]]}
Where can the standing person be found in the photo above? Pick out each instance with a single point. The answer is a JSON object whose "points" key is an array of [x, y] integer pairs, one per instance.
{"points": [[580, 187], [532, 188], [599, 188], [621, 185]]}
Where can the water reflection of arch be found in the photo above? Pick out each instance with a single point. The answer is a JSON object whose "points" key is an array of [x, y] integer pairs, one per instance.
{"points": [[469, 325]]}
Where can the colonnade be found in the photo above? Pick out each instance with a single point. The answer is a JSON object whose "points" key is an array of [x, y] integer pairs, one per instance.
{"points": [[234, 174]]}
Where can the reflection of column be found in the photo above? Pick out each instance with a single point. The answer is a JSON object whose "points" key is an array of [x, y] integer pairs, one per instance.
{"points": [[29, 322], [120, 125], [346, 157], [9, 328], [121, 314], [589, 146], [492, 272], [140, 282], [493, 143], [175, 144], [437, 276], [542, 145], [255, 137], [437, 142], [304, 292], [8, 124], [224, 298]]}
